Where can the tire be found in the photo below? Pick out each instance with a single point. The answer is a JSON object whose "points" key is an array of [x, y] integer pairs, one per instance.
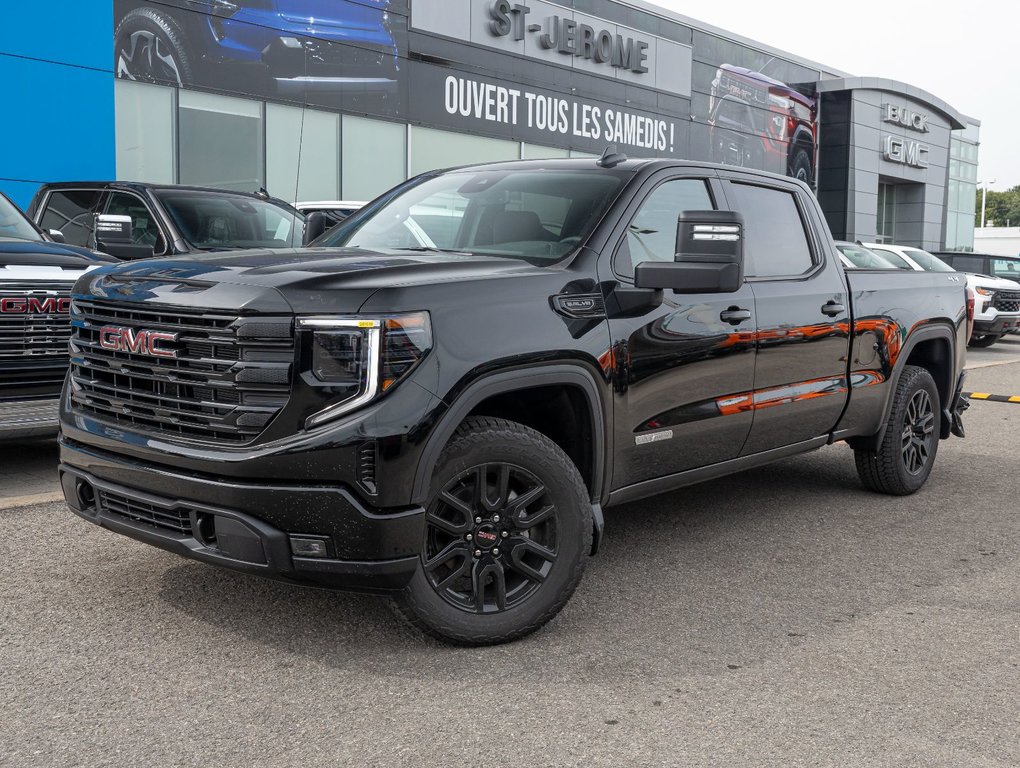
{"points": [[903, 461], [149, 47], [800, 165], [510, 546], [980, 342]]}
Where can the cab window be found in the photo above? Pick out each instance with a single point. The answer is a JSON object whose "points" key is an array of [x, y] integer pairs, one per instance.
{"points": [[651, 235], [776, 242], [144, 230]]}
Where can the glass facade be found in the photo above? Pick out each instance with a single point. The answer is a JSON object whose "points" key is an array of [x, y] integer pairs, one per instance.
{"points": [[174, 136], [885, 231], [962, 191]]}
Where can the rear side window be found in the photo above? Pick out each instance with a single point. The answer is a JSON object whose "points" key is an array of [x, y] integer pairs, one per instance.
{"points": [[71, 211], [973, 264], [927, 262], [775, 243], [651, 235], [892, 256]]}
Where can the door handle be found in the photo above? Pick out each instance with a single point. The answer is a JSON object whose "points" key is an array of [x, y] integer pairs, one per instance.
{"points": [[734, 315], [832, 309]]}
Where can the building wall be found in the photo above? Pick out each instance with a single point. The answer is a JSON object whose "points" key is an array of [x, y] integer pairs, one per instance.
{"points": [[997, 241], [58, 116]]}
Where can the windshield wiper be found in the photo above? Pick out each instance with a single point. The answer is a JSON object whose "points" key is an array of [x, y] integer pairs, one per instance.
{"points": [[431, 249]]}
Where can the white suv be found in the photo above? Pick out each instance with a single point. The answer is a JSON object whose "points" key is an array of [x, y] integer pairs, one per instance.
{"points": [[996, 300]]}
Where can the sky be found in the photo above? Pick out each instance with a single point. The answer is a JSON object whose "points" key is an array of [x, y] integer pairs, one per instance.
{"points": [[966, 52]]}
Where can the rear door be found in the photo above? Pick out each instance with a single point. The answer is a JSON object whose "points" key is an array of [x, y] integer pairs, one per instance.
{"points": [[802, 310], [679, 369]]}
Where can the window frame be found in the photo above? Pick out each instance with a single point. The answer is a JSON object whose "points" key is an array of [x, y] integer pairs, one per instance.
{"points": [[708, 177]]}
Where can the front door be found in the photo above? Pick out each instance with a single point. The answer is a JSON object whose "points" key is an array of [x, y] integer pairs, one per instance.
{"points": [[679, 368]]}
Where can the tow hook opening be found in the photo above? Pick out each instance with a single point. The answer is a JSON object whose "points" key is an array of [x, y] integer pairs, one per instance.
{"points": [[86, 495]]}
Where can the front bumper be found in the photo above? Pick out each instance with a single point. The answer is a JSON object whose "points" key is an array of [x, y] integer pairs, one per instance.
{"points": [[245, 526], [28, 418], [998, 326]]}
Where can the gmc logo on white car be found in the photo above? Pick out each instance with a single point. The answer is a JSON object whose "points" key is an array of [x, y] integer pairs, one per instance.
{"points": [[140, 342], [34, 306]]}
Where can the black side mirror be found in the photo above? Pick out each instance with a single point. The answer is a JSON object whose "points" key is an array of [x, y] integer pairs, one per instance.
{"points": [[56, 235], [113, 236], [709, 256], [316, 224]]}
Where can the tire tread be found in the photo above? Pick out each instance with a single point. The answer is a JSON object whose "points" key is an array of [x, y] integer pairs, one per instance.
{"points": [[481, 431]]}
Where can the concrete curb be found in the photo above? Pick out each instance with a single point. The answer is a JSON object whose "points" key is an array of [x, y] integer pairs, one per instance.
{"points": [[15, 502]]}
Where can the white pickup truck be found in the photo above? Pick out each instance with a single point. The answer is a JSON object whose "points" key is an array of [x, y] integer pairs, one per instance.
{"points": [[996, 300]]}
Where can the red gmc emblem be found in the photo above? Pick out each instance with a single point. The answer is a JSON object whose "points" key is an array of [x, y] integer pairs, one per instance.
{"points": [[140, 342], [35, 306]]}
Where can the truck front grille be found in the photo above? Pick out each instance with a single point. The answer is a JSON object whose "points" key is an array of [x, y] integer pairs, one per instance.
{"points": [[1007, 301], [34, 322], [227, 378]]}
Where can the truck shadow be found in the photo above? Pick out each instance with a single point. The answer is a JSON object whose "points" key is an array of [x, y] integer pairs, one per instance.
{"points": [[720, 574]]}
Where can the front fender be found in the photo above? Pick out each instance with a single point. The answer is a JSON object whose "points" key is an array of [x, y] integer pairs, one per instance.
{"points": [[505, 381]]}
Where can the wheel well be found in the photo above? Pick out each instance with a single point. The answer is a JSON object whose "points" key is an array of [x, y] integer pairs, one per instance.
{"points": [[934, 355], [560, 412]]}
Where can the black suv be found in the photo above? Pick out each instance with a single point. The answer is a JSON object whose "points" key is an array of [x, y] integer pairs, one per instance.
{"points": [[438, 402], [131, 220]]}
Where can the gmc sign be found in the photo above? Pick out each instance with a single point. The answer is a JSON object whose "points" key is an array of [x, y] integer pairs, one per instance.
{"points": [[137, 341], [30, 305]]}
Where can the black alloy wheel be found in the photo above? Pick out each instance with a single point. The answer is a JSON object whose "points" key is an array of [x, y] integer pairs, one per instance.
{"points": [[490, 538], [918, 432], [506, 536], [900, 463]]}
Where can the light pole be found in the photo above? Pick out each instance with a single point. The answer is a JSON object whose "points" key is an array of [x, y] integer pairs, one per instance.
{"points": [[984, 199]]}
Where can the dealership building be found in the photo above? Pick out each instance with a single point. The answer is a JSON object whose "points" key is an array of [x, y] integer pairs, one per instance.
{"points": [[342, 99]]}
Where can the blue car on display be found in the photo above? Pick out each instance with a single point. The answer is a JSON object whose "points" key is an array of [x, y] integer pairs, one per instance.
{"points": [[274, 48]]}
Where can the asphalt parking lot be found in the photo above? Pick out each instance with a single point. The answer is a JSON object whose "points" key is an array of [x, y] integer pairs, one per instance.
{"points": [[780, 617]]}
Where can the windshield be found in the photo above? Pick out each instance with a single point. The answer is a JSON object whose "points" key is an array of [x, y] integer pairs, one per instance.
{"points": [[538, 216], [927, 262], [863, 258], [217, 221], [14, 224]]}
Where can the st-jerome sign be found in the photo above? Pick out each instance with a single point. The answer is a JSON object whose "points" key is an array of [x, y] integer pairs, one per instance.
{"points": [[569, 37]]}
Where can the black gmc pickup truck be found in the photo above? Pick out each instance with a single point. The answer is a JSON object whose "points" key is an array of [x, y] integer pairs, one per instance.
{"points": [[439, 400]]}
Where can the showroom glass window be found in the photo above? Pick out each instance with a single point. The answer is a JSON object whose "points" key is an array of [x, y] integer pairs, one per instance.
{"points": [[776, 243], [221, 141], [651, 235]]}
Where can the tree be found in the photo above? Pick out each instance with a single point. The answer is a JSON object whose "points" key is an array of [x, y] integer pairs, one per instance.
{"points": [[1001, 207]]}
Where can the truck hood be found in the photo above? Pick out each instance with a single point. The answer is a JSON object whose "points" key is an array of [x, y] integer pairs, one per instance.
{"points": [[327, 280], [987, 281], [45, 253]]}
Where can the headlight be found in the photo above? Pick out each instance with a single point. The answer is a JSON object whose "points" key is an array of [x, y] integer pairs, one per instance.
{"points": [[985, 291], [357, 358]]}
